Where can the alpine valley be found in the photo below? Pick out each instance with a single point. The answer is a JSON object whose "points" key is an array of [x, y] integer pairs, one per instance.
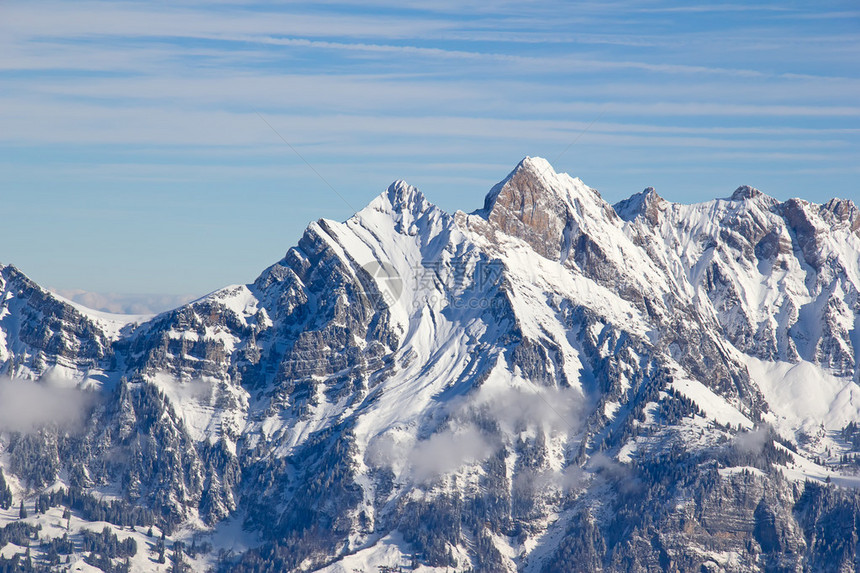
{"points": [[547, 384]]}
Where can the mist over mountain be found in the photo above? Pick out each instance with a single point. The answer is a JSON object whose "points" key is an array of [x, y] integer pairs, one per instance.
{"points": [[547, 383]]}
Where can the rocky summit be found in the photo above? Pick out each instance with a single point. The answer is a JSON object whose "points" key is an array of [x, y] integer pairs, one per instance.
{"points": [[549, 383]]}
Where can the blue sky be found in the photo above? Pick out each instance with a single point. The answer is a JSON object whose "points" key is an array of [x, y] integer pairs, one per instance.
{"points": [[134, 159]]}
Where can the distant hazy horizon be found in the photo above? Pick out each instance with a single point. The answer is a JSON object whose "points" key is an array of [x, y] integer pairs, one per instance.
{"points": [[124, 303]]}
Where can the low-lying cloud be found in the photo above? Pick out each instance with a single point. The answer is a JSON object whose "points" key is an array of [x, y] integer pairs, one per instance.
{"points": [[476, 427], [550, 409], [27, 406], [536, 481], [446, 451], [621, 475], [441, 453], [752, 442]]}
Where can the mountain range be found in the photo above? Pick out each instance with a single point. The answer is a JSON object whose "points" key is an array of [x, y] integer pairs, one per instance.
{"points": [[548, 383]]}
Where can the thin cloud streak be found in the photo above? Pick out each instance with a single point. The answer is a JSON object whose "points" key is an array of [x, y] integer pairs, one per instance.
{"points": [[88, 124], [705, 8], [88, 20], [130, 100], [526, 64], [107, 23]]}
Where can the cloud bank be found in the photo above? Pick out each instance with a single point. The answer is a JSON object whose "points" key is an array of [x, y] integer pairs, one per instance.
{"points": [[27, 406], [476, 427]]}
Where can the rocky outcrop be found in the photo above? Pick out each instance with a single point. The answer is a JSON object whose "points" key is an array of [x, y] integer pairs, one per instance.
{"points": [[41, 331]]}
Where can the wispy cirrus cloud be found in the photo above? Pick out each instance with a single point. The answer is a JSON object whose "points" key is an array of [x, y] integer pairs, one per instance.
{"points": [[705, 8], [111, 99]]}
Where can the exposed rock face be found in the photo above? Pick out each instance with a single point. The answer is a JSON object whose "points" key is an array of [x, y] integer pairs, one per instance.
{"points": [[41, 331], [647, 204], [772, 273], [524, 206], [546, 384], [746, 192]]}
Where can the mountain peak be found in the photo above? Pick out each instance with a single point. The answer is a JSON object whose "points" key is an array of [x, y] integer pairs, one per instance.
{"points": [[540, 175], [526, 204], [401, 203], [400, 197], [404, 197], [646, 203], [536, 164], [746, 192], [537, 204], [841, 212]]}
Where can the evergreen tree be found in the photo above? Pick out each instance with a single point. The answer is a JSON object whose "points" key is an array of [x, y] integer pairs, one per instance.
{"points": [[22, 513], [178, 564], [5, 493]]}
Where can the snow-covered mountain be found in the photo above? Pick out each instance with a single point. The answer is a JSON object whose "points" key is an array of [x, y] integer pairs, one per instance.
{"points": [[548, 383]]}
